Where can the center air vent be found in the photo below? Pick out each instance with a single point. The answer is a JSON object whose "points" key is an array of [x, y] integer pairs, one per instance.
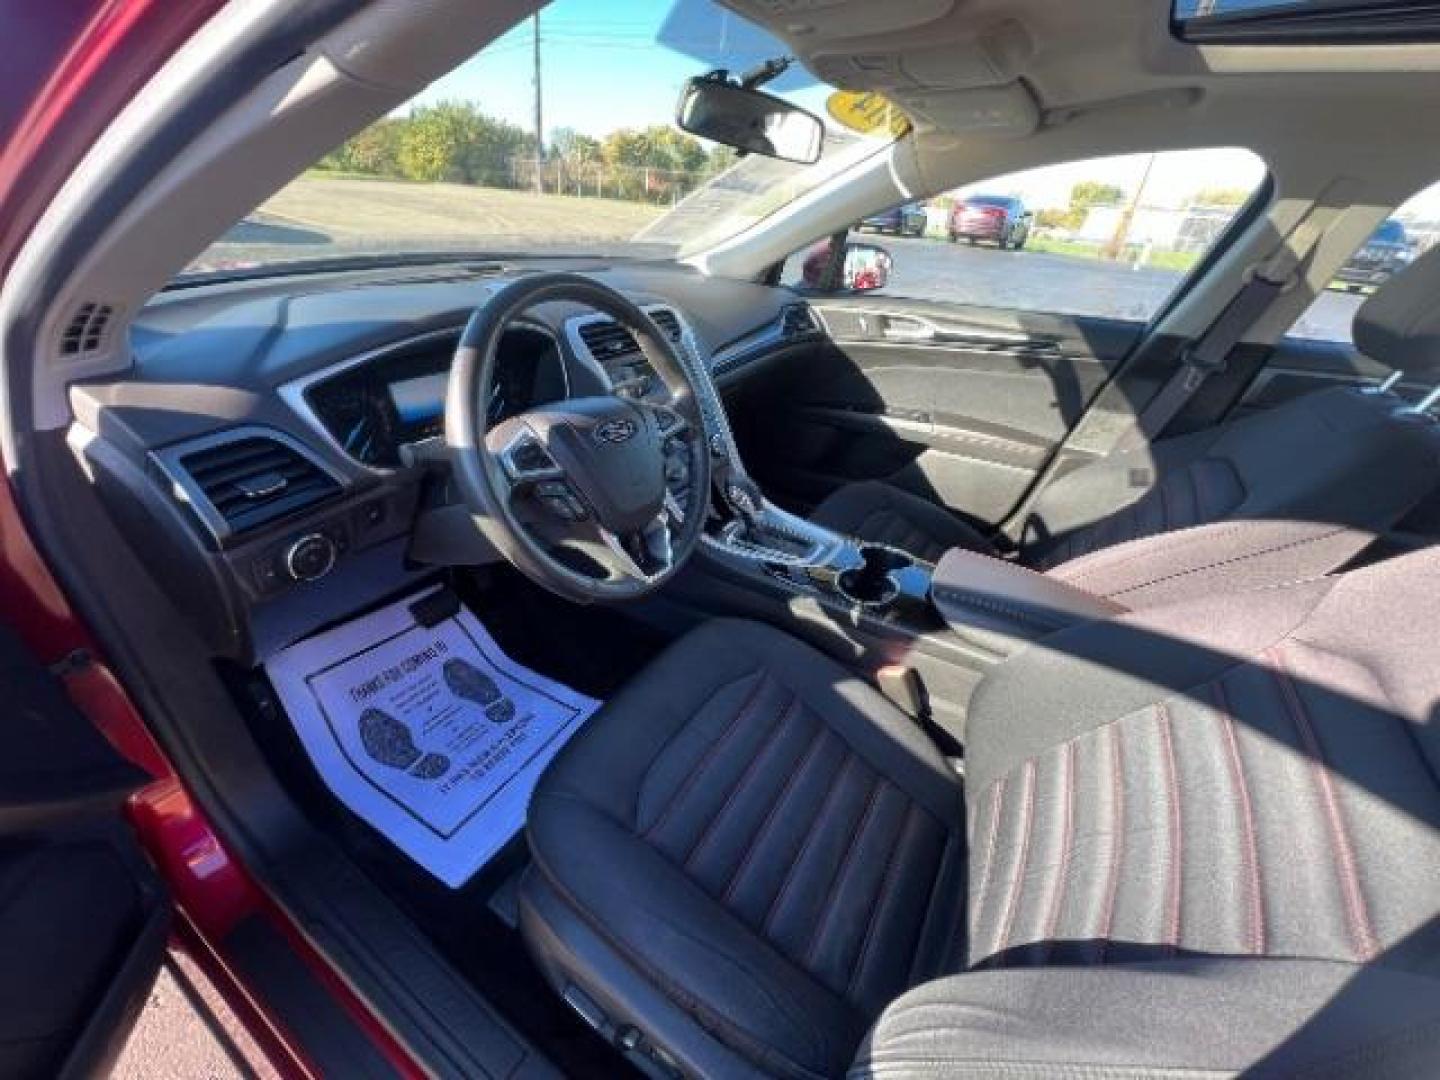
{"points": [[606, 339], [798, 320], [255, 480]]}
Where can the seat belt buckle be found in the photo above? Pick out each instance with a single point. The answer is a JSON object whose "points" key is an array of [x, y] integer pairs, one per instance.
{"points": [[1198, 369]]}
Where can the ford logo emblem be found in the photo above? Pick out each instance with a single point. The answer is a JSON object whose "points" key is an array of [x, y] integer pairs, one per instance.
{"points": [[616, 431]]}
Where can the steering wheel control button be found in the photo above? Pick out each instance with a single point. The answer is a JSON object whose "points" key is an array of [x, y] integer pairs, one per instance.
{"points": [[311, 557], [560, 499], [527, 459]]}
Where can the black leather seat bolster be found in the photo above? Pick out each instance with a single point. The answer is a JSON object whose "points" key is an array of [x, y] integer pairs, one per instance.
{"points": [[1191, 1017]]}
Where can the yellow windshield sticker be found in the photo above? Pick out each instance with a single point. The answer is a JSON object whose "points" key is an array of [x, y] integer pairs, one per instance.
{"points": [[866, 112]]}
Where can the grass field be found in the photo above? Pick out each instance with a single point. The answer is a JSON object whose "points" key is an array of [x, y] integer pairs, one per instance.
{"points": [[324, 213], [1161, 260]]}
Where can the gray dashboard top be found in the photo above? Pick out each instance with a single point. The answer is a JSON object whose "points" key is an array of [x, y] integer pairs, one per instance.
{"points": [[212, 357]]}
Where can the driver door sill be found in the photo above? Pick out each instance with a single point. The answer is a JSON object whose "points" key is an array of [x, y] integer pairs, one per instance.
{"points": [[442, 1021]]}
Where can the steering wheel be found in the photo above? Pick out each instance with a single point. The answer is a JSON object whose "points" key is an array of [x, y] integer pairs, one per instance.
{"points": [[580, 495]]}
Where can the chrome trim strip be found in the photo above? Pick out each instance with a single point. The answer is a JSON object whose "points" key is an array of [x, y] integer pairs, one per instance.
{"points": [[765, 338]]}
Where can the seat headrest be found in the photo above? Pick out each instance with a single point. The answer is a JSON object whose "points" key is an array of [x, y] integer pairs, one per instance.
{"points": [[1400, 325]]}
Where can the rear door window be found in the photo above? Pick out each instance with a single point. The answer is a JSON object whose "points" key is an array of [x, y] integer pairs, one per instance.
{"points": [[1400, 239]]}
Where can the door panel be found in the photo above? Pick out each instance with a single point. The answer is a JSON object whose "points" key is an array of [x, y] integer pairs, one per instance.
{"points": [[961, 404], [83, 916]]}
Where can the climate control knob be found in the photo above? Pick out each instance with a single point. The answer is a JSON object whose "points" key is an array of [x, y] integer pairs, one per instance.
{"points": [[310, 557]]}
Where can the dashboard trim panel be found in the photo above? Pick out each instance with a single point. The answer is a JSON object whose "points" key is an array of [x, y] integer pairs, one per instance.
{"points": [[294, 392]]}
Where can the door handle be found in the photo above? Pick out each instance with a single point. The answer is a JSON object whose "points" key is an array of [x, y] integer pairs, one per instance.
{"points": [[903, 329]]}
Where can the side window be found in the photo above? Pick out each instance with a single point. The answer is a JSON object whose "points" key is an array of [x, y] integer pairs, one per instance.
{"points": [[1410, 231], [1106, 237]]}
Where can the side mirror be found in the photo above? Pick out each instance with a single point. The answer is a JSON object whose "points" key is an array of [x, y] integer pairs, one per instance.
{"points": [[749, 120], [867, 267]]}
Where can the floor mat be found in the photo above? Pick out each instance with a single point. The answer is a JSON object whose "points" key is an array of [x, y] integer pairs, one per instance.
{"points": [[425, 729]]}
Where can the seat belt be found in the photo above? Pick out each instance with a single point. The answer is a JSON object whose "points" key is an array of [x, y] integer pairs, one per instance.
{"points": [[1208, 356]]}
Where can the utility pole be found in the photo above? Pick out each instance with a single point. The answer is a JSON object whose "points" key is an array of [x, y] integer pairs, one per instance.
{"points": [[1116, 244], [539, 116]]}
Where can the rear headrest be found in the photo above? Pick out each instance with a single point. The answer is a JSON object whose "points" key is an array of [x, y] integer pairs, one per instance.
{"points": [[1400, 325]]}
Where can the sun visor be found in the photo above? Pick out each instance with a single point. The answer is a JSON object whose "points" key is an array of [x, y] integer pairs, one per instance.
{"points": [[836, 19], [992, 58], [994, 112]]}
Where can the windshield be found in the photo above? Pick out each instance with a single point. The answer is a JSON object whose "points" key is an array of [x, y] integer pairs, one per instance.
{"points": [[460, 168]]}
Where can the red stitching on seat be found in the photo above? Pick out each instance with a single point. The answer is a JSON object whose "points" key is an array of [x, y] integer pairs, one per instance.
{"points": [[1012, 902], [1360, 927], [1250, 854], [1067, 843], [842, 871], [1177, 861], [997, 801], [835, 785], [740, 781], [700, 766], [873, 920], [780, 799], [1117, 787]]}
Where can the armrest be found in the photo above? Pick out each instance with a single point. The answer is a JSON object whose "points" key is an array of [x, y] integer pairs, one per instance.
{"points": [[1001, 607]]}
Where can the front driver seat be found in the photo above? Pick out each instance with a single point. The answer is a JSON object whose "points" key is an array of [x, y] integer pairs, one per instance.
{"points": [[1202, 837]]}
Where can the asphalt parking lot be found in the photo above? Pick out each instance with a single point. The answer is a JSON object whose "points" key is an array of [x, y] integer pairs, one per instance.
{"points": [[1036, 281]]}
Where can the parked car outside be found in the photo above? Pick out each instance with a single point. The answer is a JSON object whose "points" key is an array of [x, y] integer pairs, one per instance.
{"points": [[1388, 251], [998, 219], [907, 219]]}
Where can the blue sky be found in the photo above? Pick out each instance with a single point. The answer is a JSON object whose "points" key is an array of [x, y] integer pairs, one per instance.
{"points": [[602, 68]]}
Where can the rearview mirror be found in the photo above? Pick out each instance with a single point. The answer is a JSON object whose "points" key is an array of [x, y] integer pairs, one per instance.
{"points": [[749, 120]]}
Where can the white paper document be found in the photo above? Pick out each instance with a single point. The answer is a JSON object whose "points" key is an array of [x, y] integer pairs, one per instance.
{"points": [[431, 734]]}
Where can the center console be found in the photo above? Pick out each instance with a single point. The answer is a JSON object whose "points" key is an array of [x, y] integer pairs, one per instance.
{"points": [[871, 582], [872, 606]]}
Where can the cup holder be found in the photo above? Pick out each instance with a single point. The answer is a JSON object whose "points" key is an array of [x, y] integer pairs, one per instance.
{"points": [[872, 583]]}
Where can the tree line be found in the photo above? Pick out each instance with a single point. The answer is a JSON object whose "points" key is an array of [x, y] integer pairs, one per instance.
{"points": [[454, 142]]}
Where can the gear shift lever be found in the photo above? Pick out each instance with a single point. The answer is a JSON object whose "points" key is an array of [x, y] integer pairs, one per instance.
{"points": [[745, 499]]}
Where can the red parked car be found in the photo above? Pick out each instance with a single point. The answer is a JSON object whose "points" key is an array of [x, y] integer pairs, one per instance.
{"points": [[998, 219]]}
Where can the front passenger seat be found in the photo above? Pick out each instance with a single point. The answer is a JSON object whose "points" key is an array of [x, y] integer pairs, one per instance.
{"points": [[1199, 839], [1320, 476]]}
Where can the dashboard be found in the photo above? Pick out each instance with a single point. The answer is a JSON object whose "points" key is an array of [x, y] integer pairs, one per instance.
{"points": [[254, 448]]}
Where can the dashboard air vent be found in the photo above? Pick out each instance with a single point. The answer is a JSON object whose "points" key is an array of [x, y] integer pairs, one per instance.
{"points": [[85, 332], [607, 339], [798, 320], [668, 323], [256, 480]]}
